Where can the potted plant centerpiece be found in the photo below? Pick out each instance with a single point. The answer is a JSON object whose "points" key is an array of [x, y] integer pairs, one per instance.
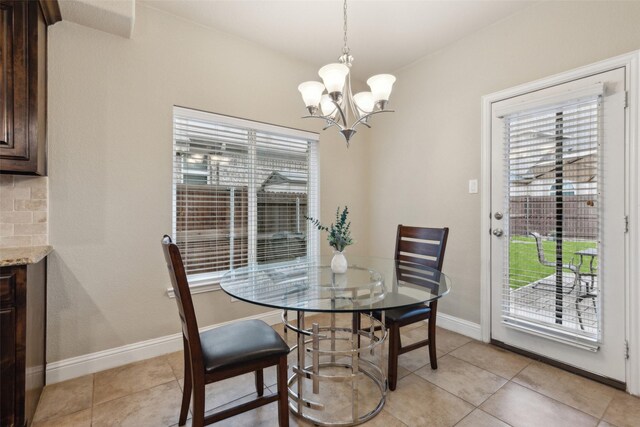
{"points": [[339, 238]]}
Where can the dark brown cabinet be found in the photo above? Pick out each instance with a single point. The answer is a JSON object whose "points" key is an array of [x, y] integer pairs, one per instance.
{"points": [[23, 84], [7, 366], [22, 341]]}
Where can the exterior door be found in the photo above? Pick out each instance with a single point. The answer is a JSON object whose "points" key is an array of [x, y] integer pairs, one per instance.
{"points": [[558, 215]]}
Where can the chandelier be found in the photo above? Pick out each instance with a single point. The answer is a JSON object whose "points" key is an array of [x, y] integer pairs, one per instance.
{"points": [[338, 106]]}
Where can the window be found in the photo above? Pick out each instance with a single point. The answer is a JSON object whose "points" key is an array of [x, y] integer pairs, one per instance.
{"points": [[552, 159], [241, 190], [568, 189]]}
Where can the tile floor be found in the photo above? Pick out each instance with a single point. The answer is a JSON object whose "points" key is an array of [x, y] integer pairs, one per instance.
{"points": [[475, 385]]}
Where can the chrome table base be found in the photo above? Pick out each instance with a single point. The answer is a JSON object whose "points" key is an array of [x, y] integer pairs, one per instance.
{"points": [[341, 355]]}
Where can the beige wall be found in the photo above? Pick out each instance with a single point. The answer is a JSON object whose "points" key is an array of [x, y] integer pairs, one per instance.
{"points": [[110, 105], [423, 156], [110, 145]]}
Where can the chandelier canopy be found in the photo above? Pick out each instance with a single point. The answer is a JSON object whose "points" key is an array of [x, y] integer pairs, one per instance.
{"points": [[338, 106]]}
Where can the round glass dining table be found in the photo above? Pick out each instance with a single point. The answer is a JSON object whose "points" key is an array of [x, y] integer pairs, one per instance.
{"points": [[346, 357]]}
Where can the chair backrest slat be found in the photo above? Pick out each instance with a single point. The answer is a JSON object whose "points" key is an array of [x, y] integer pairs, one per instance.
{"points": [[419, 248], [424, 246], [416, 260], [182, 293]]}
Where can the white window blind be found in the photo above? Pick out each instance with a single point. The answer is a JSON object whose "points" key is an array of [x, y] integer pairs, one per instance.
{"points": [[241, 191], [552, 166]]}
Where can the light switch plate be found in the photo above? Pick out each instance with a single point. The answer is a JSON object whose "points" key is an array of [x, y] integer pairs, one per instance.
{"points": [[473, 186]]}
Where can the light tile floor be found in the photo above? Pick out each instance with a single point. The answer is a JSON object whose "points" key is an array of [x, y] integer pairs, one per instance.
{"points": [[475, 385]]}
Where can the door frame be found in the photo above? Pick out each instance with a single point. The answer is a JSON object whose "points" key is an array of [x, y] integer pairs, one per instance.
{"points": [[631, 62]]}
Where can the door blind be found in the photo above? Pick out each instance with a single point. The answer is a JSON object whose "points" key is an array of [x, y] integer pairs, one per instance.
{"points": [[551, 282], [241, 191]]}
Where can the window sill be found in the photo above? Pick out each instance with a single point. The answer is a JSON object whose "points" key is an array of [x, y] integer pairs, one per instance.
{"points": [[200, 286]]}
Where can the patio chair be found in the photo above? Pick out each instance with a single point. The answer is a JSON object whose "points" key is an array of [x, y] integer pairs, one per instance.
{"points": [[577, 281], [575, 269]]}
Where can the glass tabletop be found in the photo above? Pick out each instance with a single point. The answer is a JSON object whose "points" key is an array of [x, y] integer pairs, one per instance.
{"points": [[310, 285]]}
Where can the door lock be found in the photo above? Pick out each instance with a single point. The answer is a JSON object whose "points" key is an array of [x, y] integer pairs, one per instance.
{"points": [[497, 232], [498, 215]]}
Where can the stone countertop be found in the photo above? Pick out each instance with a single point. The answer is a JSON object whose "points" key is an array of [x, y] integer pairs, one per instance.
{"points": [[23, 255]]}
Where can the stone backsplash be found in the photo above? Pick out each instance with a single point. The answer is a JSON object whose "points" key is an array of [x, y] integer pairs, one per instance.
{"points": [[24, 211]]}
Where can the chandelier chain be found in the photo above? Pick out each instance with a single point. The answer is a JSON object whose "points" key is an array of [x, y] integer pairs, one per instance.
{"points": [[345, 49]]}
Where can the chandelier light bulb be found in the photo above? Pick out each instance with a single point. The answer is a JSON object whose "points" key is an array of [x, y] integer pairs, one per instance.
{"points": [[333, 76], [364, 102], [381, 85], [311, 93]]}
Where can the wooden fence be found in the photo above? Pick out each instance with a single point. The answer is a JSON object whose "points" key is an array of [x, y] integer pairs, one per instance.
{"points": [[539, 214], [203, 227]]}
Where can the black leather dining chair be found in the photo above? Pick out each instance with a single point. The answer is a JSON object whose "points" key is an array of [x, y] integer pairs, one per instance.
{"points": [[224, 352], [423, 246]]}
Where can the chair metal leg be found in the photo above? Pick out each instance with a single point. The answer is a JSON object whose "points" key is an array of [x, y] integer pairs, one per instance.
{"points": [[355, 324], [578, 301], [186, 393], [433, 357], [285, 319], [394, 352], [283, 393], [259, 382]]}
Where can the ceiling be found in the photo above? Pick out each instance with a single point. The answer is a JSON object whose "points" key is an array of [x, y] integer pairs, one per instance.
{"points": [[383, 35]]}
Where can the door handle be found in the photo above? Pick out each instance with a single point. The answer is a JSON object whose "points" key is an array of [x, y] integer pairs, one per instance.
{"points": [[497, 232]]}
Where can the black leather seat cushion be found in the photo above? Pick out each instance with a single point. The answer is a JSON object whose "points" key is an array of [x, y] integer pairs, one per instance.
{"points": [[238, 343], [401, 314]]}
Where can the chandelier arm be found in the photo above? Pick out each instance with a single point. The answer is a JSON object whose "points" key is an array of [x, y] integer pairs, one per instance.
{"points": [[344, 120], [332, 122], [361, 119], [328, 119]]}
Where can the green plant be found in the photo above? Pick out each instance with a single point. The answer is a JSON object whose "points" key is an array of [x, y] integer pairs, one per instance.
{"points": [[339, 233]]}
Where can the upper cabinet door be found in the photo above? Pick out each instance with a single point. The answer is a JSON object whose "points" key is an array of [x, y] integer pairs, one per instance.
{"points": [[23, 33], [6, 82], [13, 91]]}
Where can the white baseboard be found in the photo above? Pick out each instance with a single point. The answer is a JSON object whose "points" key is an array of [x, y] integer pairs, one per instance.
{"points": [[99, 361], [461, 326]]}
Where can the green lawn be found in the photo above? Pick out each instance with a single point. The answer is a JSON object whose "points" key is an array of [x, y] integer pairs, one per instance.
{"points": [[524, 267]]}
